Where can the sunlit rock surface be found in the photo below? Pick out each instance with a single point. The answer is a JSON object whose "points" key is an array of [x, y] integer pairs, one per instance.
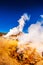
{"points": [[10, 56]]}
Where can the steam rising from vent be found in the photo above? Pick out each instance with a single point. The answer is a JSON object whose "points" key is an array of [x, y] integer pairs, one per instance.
{"points": [[36, 32], [19, 28], [34, 37], [22, 21]]}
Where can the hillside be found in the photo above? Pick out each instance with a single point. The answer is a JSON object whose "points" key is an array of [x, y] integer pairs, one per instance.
{"points": [[10, 56], [1, 33]]}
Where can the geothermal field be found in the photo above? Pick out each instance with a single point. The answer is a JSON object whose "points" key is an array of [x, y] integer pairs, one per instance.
{"points": [[19, 48]]}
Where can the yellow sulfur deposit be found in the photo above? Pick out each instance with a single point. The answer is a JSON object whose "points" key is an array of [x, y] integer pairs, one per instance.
{"points": [[9, 55]]}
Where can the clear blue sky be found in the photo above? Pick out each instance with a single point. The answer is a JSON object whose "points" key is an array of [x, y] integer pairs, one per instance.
{"points": [[11, 10]]}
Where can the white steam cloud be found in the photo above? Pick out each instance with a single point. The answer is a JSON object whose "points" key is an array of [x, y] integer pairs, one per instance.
{"points": [[34, 37], [36, 32], [41, 16], [19, 28]]}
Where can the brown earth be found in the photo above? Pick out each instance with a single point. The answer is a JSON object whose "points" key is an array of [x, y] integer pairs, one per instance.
{"points": [[1, 34], [9, 55]]}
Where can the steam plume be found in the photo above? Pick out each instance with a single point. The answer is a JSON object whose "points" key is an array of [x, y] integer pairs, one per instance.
{"points": [[34, 35], [41, 16], [19, 28]]}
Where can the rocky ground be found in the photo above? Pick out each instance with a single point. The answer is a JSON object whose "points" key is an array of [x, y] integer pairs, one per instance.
{"points": [[9, 55]]}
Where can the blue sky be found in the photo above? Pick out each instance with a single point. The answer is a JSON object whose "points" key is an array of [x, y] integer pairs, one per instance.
{"points": [[11, 11]]}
